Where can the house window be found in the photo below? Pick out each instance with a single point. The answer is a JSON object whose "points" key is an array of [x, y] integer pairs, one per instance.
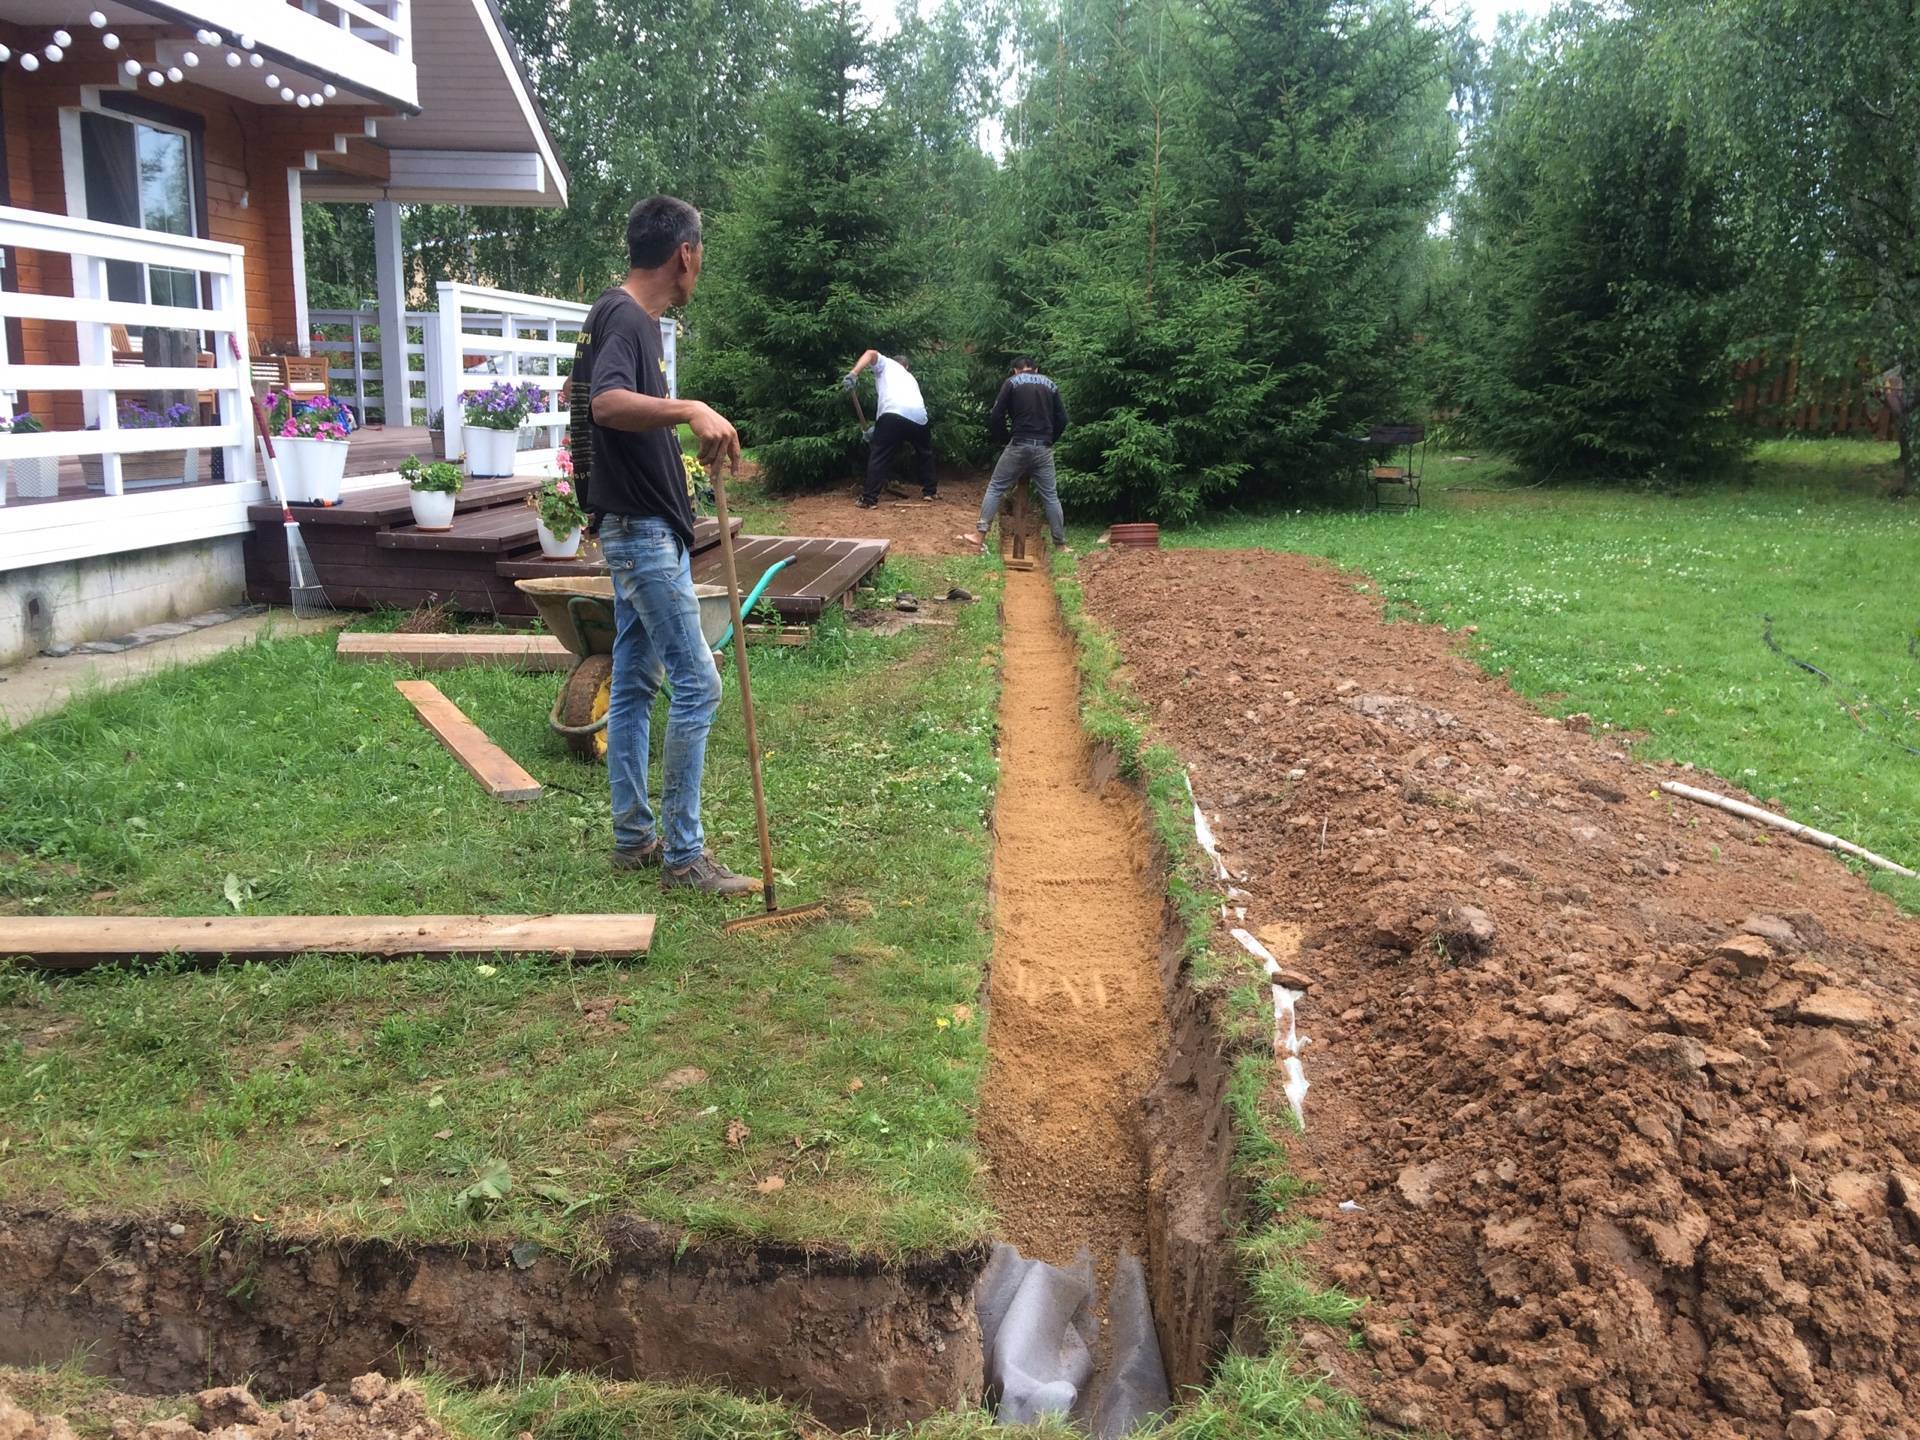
{"points": [[141, 174]]}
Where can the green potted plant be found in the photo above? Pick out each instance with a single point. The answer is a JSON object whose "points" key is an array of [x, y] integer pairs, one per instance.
{"points": [[493, 417], [560, 519], [432, 489], [310, 441], [437, 433], [36, 477]]}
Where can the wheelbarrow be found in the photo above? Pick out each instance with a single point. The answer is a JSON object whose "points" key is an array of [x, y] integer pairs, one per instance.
{"points": [[578, 609]]}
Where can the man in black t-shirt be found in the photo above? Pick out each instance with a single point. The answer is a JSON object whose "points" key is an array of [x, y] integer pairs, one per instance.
{"points": [[637, 487]]}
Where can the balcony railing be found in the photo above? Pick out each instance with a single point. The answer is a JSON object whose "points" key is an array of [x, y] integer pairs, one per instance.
{"points": [[368, 44]]}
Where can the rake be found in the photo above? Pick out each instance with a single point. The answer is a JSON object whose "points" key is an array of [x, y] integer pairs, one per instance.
{"points": [[308, 595], [775, 918]]}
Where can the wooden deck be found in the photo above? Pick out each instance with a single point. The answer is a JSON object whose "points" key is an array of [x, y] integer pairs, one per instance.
{"points": [[824, 571], [370, 555]]}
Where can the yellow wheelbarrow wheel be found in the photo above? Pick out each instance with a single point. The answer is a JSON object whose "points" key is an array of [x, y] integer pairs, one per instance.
{"points": [[583, 707]]}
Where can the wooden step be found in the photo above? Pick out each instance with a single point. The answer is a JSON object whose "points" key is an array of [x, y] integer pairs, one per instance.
{"points": [[384, 505], [501, 528]]}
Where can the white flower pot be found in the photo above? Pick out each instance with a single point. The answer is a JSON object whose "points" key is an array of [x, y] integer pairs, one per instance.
{"points": [[37, 478], [312, 469], [558, 547], [490, 452], [432, 509]]}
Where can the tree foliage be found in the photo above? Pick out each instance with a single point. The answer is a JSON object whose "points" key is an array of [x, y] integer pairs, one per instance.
{"points": [[1597, 262], [1809, 115]]}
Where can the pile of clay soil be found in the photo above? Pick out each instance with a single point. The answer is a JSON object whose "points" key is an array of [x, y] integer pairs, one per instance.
{"points": [[1624, 1088], [369, 1408], [915, 526]]}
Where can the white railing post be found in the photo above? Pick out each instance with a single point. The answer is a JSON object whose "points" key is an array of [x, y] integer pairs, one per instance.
{"points": [[94, 345], [447, 346], [236, 409], [359, 366], [433, 360]]}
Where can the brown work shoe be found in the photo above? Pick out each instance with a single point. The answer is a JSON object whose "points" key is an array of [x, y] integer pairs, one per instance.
{"points": [[708, 876], [639, 857]]}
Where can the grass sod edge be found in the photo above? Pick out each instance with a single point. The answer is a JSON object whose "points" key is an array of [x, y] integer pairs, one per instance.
{"points": [[319, 1050], [1272, 1393], [565, 1406]]}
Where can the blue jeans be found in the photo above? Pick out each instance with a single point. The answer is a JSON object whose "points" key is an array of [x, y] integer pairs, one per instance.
{"points": [[1025, 460], [657, 638]]}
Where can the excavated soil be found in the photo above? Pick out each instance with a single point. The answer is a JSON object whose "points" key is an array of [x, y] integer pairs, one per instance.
{"points": [[1076, 1030], [913, 525], [1624, 1089], [369, 1407]]}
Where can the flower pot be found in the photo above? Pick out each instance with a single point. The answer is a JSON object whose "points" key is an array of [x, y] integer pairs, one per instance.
{"points": [[37, 478], [151, 470], [312, 469], [1141, 535], [438, 439], [432, 509], [490, 452], [558, 547]]}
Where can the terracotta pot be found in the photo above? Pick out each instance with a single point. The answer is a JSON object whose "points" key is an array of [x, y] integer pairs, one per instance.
{"points": [[1144, 536]]}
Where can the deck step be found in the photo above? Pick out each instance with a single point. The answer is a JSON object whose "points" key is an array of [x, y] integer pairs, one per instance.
{"points": [[498, 528], [384, 505]]}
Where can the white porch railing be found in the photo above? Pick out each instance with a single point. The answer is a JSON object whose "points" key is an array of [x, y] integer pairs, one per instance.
{"points": [[350, 338], [352, 347], [94, 375], [510, 336]]}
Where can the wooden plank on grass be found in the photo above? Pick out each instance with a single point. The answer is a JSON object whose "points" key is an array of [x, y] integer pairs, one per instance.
{"points": [[531, 653], [499, 773], [74, 942]]}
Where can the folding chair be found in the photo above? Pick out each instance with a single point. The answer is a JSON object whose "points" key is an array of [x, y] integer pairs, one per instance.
{"points": [[1394, 485]]}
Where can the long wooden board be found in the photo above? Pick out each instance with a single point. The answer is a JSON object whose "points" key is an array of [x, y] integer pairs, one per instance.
{"points": [[499, 773], [74, 942], [531, 653]]}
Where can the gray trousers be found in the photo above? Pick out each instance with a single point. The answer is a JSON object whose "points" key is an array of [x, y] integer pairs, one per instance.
{"points": [[1024, 460]]}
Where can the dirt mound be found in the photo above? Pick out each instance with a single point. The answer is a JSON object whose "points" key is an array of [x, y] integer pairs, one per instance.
{"points": [[913, 525], [1624, 1089], [369, 1408]]}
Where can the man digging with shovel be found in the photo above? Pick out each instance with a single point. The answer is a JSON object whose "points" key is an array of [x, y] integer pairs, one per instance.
{"points": [[899, 419]]}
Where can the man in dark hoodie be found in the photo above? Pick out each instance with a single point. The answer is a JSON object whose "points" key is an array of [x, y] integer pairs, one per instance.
{"points": [[1029, 405]]}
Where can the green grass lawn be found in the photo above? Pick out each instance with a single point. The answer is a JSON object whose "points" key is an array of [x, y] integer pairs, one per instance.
{"points": [[337, 1095], [1647, 611]]}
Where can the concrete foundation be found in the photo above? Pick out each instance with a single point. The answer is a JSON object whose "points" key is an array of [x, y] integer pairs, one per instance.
{"points": [[80, 600]]}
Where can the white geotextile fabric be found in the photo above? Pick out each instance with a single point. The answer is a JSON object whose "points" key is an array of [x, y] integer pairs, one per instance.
{"points": [[1040, 1336]]}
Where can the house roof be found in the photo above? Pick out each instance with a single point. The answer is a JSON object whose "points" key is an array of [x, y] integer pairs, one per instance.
{"points": [[479, 136]]}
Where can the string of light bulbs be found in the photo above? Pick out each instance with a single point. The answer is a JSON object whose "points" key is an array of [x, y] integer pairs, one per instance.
{"points": [[239, 50]]}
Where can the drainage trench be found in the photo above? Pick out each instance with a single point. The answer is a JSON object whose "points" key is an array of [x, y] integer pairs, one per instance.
{"points": [[1104, 1123], [1095, 1128]]}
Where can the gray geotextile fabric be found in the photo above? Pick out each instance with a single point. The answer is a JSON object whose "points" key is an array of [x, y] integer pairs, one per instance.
{"points": [[1040, 1336]]}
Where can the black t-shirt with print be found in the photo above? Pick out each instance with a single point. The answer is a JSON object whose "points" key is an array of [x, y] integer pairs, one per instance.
{"points": [[634, 472]]}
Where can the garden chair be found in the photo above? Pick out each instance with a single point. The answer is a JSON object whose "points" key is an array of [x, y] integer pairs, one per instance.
{"points": [[1390, 484]]}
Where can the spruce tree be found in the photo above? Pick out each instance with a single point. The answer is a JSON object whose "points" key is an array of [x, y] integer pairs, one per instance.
{"points": [[805, 268]]}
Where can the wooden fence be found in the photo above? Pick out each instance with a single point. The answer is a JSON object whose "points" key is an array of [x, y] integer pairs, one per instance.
{"points": [[1774, 396]]}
